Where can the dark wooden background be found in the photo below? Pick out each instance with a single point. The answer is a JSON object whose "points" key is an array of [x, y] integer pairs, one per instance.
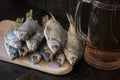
{"points": [[11, 9]]}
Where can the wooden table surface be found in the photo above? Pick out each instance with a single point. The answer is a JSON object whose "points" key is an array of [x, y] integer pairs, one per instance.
{"points": [[81, 71]]}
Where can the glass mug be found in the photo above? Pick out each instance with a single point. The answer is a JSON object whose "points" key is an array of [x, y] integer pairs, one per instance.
{"points": [[103, 38]]}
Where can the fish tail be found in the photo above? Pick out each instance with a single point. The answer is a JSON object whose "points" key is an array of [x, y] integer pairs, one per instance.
{"points": [[45, 19], [22, 19], [19, 21], [31, 12], [71, 22], [28, 14], [52, 16], [70, 18]]}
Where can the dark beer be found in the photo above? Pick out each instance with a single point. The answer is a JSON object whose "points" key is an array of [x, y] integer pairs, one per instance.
{"points": [[104, 25]]}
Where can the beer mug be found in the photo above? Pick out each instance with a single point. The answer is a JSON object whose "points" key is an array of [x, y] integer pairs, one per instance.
{"points": [[103, 38]]}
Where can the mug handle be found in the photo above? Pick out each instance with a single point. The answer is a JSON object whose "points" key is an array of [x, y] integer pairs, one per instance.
{"points": [[78, 13]]}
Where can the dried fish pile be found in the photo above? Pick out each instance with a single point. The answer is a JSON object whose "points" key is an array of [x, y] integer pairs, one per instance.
{"points": [[50, 43]]}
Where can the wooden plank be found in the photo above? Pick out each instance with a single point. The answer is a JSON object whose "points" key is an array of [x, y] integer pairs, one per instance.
{"points": [[48, 67]]}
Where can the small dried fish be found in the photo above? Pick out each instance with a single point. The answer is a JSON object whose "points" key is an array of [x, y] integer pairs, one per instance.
{"points": [[60, 59], [55, 35], [11, 39], [74, 48], [45, 56], [23, 50], [46, 53], [25, 30], [70, 56], [35, 40], [12, 52], [35, 58]]}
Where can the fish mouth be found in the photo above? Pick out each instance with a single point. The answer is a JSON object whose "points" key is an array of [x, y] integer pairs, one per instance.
{"points": [[13, 56], [22, 52], [73, 60], [59, 62], [34, 59]]}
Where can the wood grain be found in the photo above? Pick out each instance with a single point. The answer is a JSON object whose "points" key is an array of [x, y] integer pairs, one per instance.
{"points": [[48, 67]]}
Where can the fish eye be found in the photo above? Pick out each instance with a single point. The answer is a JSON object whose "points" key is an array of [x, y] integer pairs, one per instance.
{"points": [[15, 54], [59, 60], [56, 46], [47, 53], [34, 57], [22, 35], [22, 50]]}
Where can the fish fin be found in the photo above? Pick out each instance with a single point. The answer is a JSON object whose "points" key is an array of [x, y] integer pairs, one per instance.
{"points": [[46, 32], [52, 16], [28, 14], [31, 12], [70, 19], [45, 19], [22, 19], [72, 24], [18, 22]]}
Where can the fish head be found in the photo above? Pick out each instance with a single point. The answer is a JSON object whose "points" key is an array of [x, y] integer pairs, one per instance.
{"points": [[13, 54], [34, 59], [23, 51], [60, 60], [48, 52], [21, 34], [70, 56], [54, 46]]}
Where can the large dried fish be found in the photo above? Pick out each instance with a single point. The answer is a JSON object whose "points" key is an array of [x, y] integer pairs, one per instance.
{"points": [[55, 35], [11, 39], [25, 30], [74, 47], [35, 58], [12, 52], [35, 40]]}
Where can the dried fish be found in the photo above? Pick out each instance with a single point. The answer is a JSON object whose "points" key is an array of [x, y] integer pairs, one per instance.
{"points": [[25, 30], [74, 48], [11, 39], [46, 52], [12, 52], [35, 40], [55, 35], [35, 58], [23, 50], [60, 59]]}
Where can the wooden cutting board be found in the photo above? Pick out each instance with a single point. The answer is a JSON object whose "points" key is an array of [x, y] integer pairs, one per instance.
{"points": [[48, 67]]}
